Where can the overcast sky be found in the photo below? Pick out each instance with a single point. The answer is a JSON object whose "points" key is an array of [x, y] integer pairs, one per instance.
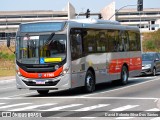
{"points": [[80, 5]]}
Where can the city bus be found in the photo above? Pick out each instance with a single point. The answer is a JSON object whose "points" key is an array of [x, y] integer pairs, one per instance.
{"points": [[62, 55]]}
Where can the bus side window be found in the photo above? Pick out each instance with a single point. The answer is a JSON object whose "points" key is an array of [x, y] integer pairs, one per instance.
{"points": [[76, 44], [89, 42], [132, 41], [126, 41], [101, 42]]}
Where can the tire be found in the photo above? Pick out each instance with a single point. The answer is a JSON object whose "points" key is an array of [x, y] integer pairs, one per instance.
{"points": [[154, 71], [124, 76], [43, 92], [89, 82]]}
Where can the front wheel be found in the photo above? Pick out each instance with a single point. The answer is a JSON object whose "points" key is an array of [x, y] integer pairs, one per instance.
{"points": [[124, 76], [89, 82], [43, 92], [154, 71]]}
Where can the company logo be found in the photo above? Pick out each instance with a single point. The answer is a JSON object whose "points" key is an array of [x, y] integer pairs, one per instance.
{"points": [[40, 75]]}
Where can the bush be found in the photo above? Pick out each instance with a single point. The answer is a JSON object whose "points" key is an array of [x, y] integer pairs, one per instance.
{"points": [[151, 41], [6, 56]]}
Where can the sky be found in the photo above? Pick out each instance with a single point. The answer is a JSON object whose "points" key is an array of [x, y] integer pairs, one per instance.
{"points": [[80, 5]]}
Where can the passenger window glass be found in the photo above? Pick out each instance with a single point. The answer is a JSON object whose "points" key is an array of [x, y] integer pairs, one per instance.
{"points": [[101, 41], [113, 41], [76, 44], [132, 40], [89, 41]]}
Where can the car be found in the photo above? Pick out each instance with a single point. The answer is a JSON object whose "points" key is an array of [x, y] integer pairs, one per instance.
{"points": [[150, 63]]}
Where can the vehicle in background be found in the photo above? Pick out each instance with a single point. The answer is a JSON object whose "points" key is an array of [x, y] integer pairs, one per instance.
{"points": [[150, 63]]}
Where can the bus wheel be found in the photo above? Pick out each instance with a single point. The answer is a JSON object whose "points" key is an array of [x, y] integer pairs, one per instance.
{"points": [[89, 82], [42, 92], [124, 76]]}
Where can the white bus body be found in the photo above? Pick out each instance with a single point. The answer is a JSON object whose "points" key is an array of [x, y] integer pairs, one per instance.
{"points": [[76, 53]]}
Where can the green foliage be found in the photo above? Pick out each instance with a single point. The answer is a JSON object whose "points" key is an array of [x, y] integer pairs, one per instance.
{"points": [[7, 56], [151, 41], [150, 45]]}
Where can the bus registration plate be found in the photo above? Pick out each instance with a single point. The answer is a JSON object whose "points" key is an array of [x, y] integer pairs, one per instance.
{"points": [[40, 82]]}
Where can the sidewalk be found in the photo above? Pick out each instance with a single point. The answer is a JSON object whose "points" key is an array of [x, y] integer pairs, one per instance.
{"points": [[7, 78]]}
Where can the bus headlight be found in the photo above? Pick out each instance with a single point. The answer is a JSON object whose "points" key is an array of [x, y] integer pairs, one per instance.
{"points": [[17, 70], [65, 70]]}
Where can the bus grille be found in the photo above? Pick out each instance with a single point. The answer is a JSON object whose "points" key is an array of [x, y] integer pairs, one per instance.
{"points": [[50, 83]]}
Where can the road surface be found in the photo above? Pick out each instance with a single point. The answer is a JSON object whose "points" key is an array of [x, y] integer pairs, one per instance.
{"points": [[110, 101]]}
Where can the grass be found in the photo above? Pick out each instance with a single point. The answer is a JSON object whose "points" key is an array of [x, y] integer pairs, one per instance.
{"points": [[4, 73], [7, 65]]}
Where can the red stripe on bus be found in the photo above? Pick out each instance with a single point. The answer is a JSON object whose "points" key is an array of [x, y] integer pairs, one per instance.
{"points": [[133, 64], [41, 75]]}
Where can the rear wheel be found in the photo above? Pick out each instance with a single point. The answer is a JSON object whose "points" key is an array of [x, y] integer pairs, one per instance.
{"points": [[124, 76], [89, 82], [43, 92]]}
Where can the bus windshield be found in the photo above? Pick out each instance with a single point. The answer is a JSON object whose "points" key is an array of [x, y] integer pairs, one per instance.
{"points": [[41, 49]]}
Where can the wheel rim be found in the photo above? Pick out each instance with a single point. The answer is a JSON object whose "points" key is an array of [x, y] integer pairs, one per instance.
{"points": [[89, 82], [125, 75], [154, 71]]}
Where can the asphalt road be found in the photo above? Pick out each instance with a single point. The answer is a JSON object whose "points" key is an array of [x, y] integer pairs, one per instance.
{"points": [[109, 101]]}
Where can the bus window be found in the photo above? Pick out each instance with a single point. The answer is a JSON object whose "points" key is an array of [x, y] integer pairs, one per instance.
{"points": [[101, 41], [132, 41], [76, 44], [113, 41], [124, 41], [89, 42]]}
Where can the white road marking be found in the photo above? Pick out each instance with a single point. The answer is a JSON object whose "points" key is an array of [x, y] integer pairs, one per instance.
{"points": [[92, 107], [157, 118], [78, 97], [118, 89], [62, 107], [124, 108], [8, 106], [31, 107], [154, 109], [2, 103]]}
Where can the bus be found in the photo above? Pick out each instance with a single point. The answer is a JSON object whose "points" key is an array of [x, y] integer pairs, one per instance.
{"points": [[61, 55]]}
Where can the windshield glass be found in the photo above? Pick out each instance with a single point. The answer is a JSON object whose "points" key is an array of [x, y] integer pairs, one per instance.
{"points": [[41, 49], [147, 57]]}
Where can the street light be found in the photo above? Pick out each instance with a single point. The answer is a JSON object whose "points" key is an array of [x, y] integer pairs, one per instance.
{"points": [[120, 9]]}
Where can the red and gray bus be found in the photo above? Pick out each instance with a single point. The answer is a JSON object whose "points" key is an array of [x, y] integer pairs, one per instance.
{"points": [[61, 55]]}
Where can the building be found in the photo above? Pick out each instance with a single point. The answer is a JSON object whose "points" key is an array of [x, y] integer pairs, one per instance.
{"points": [[10, 20], [147, 20]]}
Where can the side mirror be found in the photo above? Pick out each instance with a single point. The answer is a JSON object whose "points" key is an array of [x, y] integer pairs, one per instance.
{"points": [[8, 41], [156, 59]]}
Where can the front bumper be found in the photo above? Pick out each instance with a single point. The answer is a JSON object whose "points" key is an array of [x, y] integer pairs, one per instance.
{"points": [[146, 71], [57, 83]]}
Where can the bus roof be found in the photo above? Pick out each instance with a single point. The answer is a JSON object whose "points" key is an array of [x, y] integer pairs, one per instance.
{"points": [[90, 22], [95, 21]]}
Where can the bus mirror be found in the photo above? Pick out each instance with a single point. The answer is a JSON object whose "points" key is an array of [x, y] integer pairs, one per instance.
{"points": [[8, 41]]}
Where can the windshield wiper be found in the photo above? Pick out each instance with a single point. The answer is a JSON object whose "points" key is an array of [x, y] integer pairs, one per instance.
{"points": [[49, 39]]}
